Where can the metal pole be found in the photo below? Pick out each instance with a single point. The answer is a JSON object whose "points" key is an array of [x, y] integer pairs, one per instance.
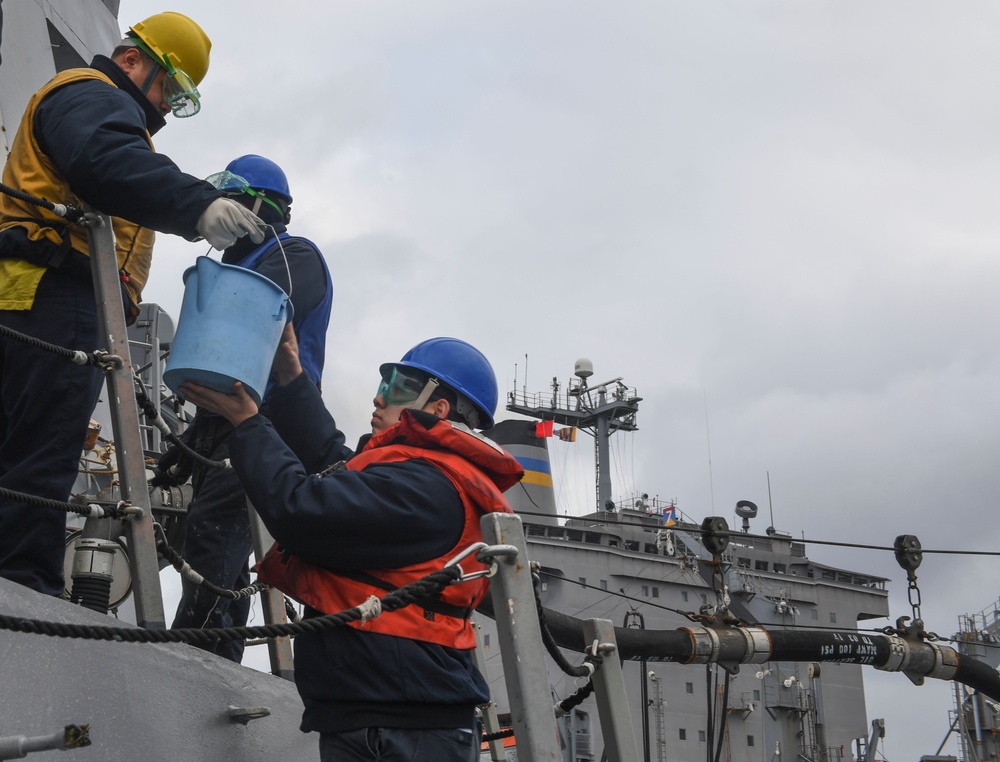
{"points": [[609, 690], [125, 424], [272, 603], [603, 454], [497, 752], [521, 646]]}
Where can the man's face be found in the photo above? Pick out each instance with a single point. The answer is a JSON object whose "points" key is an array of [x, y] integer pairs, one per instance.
{"points": [[385, 415], [137, 67], [398, 391]]}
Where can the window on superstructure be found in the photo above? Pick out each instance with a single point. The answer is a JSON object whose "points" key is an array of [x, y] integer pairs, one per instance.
{"points": [[684, 595], [689, 687], [780, 568], [486, 639], [604, 584], [701, 736], [645, 590], [656, 591], [704, 597], [833, 617], [682, 734], [583, 580], [814, 614], [756, 694], [749, 740]]}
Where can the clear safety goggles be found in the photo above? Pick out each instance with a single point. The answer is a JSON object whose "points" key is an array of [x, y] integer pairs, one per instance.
{"points": [[403, 387], [227, 181], [179, 90]]}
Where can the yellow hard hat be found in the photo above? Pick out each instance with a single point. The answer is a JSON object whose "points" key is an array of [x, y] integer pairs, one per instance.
{"points": [[178, 41]]}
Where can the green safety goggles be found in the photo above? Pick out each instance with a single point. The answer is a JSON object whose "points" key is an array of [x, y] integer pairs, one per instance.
{"points": [[227, 181], [403, 387], [178, 88]]}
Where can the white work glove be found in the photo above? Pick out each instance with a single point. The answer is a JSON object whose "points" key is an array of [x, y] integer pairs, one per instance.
{"points": [[224, 221]]}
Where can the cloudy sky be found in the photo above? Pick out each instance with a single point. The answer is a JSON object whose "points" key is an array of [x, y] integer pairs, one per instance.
{"points": [[778, 221]]}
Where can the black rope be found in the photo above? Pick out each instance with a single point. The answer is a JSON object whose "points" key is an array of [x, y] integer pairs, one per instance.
{"points": [[110, 511], [175, 560], [571, 702], [431, 585], [550, 643], [70, 213], [76, 356], [153, 416], [725, 718]]}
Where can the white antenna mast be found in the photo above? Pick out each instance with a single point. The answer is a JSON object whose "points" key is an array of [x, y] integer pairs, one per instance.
{"points": [[708, 440]]}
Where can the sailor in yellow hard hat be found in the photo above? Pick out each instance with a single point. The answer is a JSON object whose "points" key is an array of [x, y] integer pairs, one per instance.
{"points": [[85, 138]]}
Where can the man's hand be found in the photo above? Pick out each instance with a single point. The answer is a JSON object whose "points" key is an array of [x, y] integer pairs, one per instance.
{"points": [[224, 221], [286, 360], [235, 407]]}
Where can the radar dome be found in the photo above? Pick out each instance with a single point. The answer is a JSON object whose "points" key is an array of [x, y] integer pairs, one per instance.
{"points": [[584, 368]]}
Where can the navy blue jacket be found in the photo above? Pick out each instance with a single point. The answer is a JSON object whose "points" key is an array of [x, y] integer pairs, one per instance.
{"points": [[95, 136], [388, 515]]}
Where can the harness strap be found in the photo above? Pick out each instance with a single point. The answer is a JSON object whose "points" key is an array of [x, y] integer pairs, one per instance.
{"points": [[428, 604]]}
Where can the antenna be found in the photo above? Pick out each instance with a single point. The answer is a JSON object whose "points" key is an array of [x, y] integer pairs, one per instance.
{"points": [[708, 440], [746, 510], [770, 505]]}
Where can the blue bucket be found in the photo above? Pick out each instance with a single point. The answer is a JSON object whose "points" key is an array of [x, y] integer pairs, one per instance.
{"points": [[229, 328]]}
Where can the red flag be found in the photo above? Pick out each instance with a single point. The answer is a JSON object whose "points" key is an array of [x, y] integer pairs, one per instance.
{"points": [[543, 429]]}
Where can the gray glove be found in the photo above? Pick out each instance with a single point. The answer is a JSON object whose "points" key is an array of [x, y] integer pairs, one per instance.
{"points": [[224, 221]]}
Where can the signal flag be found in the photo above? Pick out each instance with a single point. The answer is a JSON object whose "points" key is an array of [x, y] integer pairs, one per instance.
{"points": [[568, 434]]}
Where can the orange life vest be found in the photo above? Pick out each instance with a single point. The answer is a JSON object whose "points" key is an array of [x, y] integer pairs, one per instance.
{"points": [[480, 471]]}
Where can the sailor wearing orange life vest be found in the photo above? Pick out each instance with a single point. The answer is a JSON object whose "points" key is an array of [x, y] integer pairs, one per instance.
{"points": [[406, 503]]}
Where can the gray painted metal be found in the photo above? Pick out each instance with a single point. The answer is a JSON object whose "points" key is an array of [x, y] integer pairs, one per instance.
{"points": [[272, 602], [608, 563], [155, 702], [521, 644], [489, 711], [28, 60], [609, 688], [125, 423]]}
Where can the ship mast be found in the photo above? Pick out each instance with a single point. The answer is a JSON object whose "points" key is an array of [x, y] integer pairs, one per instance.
{"points": [[600, 410]]}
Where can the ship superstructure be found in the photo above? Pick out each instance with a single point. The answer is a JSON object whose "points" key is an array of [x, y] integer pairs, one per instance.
{"points": [[639, 563]]}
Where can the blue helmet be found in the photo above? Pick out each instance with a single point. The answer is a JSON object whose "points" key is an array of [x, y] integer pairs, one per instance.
{"points": [[462, 368], [261, 174]]}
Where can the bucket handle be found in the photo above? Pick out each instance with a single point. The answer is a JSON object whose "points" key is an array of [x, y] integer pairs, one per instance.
{"points": [[280, 309]]}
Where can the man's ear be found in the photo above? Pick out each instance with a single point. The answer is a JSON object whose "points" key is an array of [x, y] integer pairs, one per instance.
{"points": [[129, 59], [439, 407]]}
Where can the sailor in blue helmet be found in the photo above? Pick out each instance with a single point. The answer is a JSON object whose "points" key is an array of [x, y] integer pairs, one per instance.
{"points": [[217, 540], [347, 525]]}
